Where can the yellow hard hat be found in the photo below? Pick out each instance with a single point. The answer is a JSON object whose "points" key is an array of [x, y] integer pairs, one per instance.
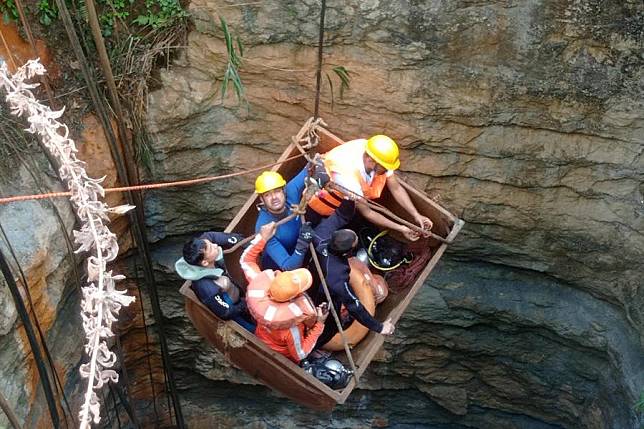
{"points": [[268, 180], [384, 151], [289, 284]]}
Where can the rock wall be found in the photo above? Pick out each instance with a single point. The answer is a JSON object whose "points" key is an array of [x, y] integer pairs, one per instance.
{"points": [[33, 241], [524, 118], [36, 234]]}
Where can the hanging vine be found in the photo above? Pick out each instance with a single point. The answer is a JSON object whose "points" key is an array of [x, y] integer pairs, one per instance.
{"points": [[101, 301]]}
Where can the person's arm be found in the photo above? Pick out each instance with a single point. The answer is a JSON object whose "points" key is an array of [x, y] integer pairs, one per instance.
{"points": [[295, 186], [338, 281], [280, 256], [298, 347], [382, 221], [249, 260], [213, 297], [224, 239], [402, 197], [358, 311]]}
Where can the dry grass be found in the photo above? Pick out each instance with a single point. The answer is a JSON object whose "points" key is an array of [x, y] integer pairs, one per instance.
{"points": [[134, 61]]}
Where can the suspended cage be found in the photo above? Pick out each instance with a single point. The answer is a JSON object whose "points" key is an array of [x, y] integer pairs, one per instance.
{"points": [[247, 352]]}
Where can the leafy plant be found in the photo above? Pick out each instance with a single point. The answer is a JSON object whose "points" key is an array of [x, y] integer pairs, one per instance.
{"points": [[113, 11], [234, 62], [343, 74], [160, 13], [47, 12], [9, 10]]}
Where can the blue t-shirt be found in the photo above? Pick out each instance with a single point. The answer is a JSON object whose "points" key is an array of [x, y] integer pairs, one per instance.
{"points": [[280, 252]]}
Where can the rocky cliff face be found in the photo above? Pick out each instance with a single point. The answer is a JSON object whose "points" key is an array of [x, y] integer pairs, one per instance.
{"points": [[524, 118]]}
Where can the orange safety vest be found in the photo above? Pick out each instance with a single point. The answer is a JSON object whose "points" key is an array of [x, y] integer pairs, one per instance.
{"points": [[345, 160]]}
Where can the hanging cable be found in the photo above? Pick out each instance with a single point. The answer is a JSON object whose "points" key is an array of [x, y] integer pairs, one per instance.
{"points": [[115, 407], [8, 411], [31, 168], [318, 75], [126, 380], [147, 349], [60, 391], [33, 342]]}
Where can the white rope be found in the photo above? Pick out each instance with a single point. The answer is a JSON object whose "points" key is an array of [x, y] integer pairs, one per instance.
{"points": [[101, 300]]}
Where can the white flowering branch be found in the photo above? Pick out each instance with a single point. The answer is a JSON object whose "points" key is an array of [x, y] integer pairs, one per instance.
{"points": [[101, 301]]}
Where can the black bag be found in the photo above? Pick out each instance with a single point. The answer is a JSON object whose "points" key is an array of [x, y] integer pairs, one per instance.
{"points": [[384, 252]]}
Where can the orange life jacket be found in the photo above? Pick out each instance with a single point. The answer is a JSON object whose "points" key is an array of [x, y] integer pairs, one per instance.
{"points": [[295, 342], [273, 314], [276, 315], [346, 161]]}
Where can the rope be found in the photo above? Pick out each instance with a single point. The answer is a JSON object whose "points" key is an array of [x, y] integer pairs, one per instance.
{"points": [[307, 138], [188, 182], [385, 211], [250, 237], [318, 75], [309, 192]]}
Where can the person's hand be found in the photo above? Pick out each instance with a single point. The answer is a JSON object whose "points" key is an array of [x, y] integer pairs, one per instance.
{"points": [[409, 233], [224, 283], [322, 312], [318, 173], [267, 231], [388, 328], [306, 232], [424, 222]]}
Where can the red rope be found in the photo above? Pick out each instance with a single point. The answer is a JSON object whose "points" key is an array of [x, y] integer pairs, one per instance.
{"points": [[188, 182]]}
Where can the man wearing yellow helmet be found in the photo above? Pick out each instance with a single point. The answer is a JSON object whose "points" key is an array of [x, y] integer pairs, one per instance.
{"points": [[364, 167], [287, 248]]}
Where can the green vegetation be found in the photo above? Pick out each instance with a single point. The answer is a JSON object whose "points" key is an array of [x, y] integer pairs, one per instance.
{"points": [[342, 74], [112, 12], [160, 13], [9, 10], [234, 55], [151, 13], [47, 11]]}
